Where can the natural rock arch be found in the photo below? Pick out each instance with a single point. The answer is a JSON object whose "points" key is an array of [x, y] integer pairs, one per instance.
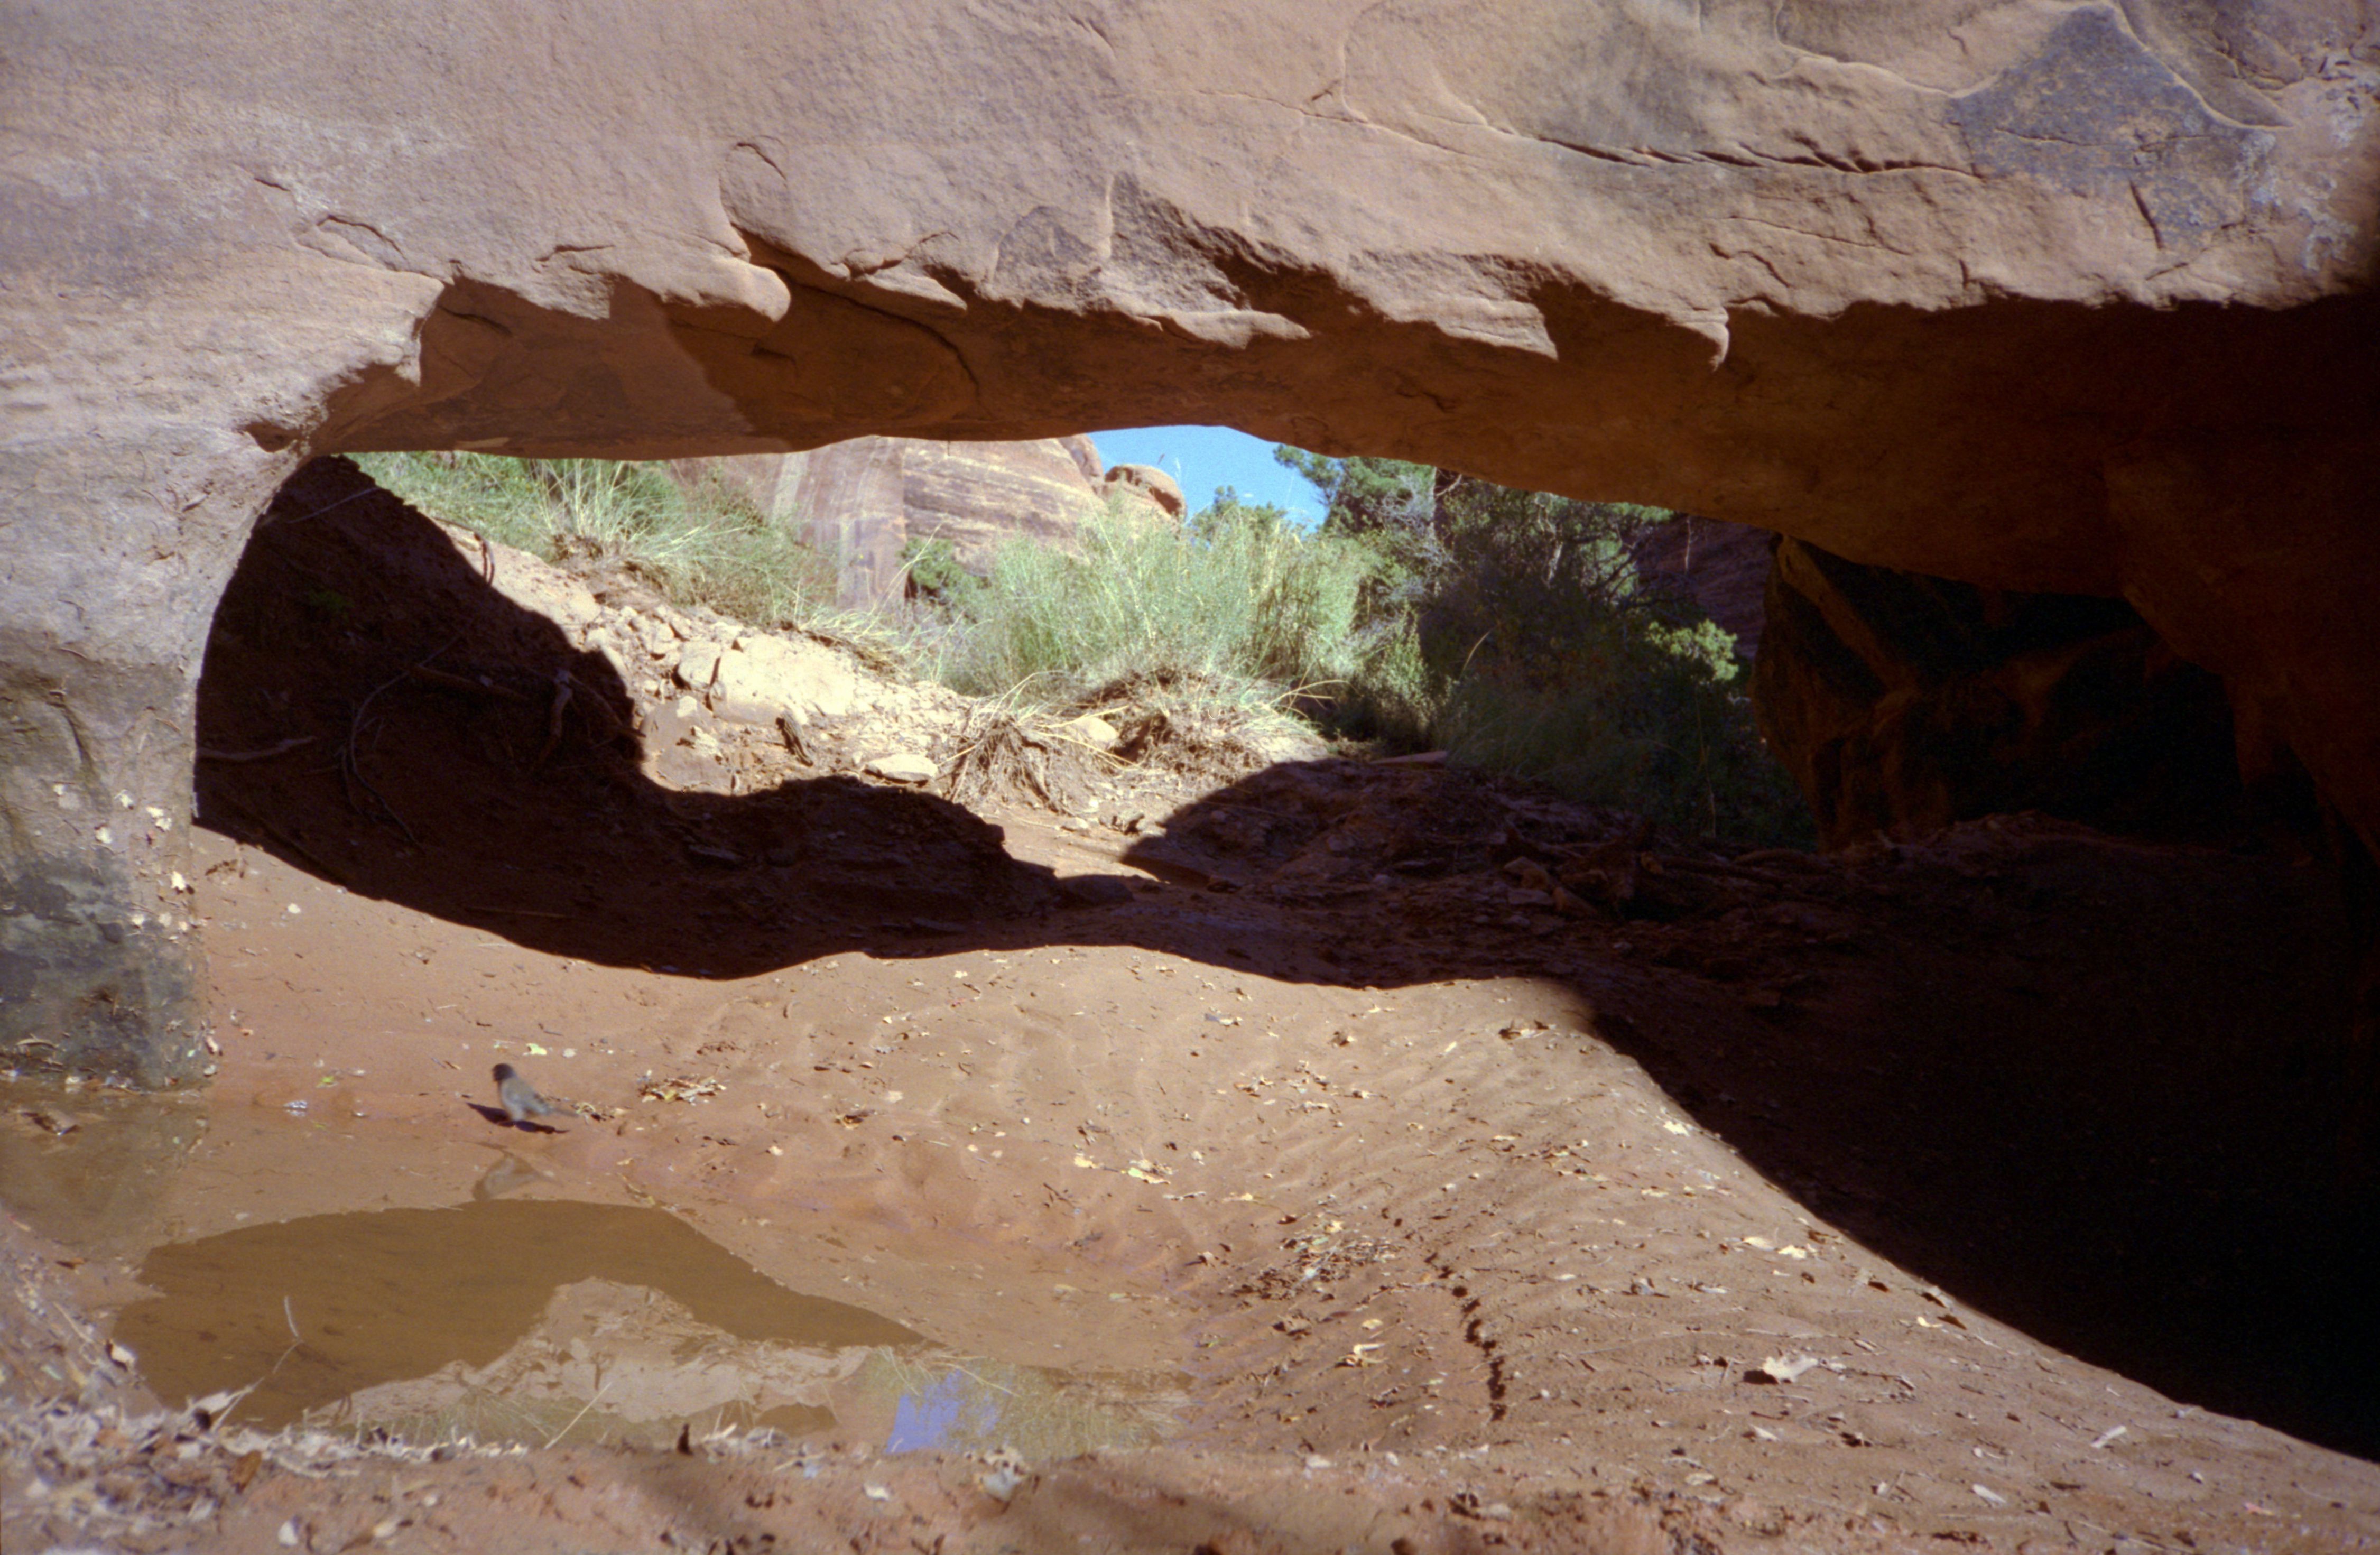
{"points": [[2034, 294]]}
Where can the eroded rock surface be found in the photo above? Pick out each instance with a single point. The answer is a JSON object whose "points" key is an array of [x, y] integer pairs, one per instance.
{"points": [[2032, 296], [1148, 484], [865, 501]]}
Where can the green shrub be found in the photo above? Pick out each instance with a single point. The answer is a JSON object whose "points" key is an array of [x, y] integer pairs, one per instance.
{"points": [[1510, 628], [695, 546], [937, 576], [1238, 598]]}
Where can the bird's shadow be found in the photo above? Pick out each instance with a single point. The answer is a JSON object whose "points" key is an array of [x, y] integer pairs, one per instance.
{"points": [[497, 1116]]}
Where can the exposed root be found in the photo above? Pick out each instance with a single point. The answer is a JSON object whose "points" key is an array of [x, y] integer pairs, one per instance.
{"points": [[1012, 755]]}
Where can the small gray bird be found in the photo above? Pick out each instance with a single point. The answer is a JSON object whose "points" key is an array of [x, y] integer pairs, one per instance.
{"points": [[519, 1097]]}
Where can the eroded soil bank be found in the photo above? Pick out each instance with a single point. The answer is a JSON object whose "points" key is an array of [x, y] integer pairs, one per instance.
{"points": [[1982, 1191]]}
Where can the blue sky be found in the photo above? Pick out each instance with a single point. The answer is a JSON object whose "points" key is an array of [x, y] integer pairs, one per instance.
{"points": [[1202, 458]]}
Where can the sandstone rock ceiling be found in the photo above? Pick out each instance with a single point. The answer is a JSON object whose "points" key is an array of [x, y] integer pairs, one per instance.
{"points": [[2029, 294]]}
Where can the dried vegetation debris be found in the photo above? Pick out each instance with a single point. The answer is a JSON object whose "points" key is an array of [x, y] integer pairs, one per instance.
{"points": [[83, 1453], [681, 1088], [154, 1479], [47, 1351], [126, 1476], [1209, 738], [1318, 1259], [1014, 757], [1094, 758]]}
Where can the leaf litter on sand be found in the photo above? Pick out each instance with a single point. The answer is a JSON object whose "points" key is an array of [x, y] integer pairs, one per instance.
{"points": [[681, 1088], [1781, 1369]]}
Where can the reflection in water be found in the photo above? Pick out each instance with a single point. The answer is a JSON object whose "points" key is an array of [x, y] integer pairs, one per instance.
{"points": [[314, 1310], [541, 1321], [612, 1362], [958, 1409], [509, 1173], [943, 1403]]}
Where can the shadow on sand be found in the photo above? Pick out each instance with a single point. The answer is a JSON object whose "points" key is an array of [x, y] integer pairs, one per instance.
{"points": [[2092, 1089]]}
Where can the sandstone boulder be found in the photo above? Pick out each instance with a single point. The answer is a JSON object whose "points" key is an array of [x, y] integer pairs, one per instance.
{"points": [[697, 665], [1091, 729], [1148, 484], [904, 767], [1086, 454], [762, 678]]}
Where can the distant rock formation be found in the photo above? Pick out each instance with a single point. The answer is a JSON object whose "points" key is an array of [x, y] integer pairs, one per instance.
{"points": [[1147, 483], [863, 502]]}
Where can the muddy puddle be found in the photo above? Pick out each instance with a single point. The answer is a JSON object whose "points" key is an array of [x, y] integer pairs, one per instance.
{"points": [[521, 1315]]}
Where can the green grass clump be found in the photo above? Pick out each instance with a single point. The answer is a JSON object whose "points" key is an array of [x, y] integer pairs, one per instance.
{"points": [[693, 543], [1238, 600]]}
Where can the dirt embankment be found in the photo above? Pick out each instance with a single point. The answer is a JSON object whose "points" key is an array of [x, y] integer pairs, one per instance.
{"points": [[1462, 1169]]}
